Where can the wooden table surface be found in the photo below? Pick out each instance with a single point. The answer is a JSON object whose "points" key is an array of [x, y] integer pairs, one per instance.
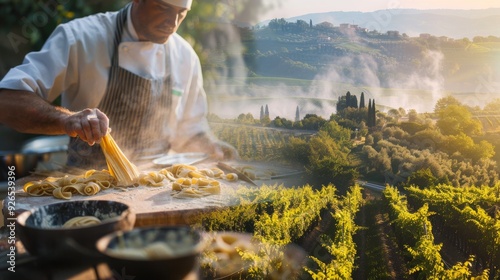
{"points": [[155, 205]]}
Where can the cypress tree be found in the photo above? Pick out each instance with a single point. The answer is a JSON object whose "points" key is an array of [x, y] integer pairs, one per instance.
{"points": [[341, 104], [362, 100], [261, 112], [354, 101], [369, 115], [267, 111], [374, 115], [297, 115]]}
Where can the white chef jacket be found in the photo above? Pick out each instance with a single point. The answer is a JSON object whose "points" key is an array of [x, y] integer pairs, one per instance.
{"points": [[76, 59]]}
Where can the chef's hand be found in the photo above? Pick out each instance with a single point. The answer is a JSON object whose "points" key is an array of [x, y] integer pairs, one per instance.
{"points": [[223, 151], [90, 125]]}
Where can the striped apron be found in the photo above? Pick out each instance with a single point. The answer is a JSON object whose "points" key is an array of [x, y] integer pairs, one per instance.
{"points": [[137, 109]]}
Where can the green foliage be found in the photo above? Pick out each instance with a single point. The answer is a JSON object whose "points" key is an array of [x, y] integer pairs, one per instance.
{"points": [[296, 150], [252, 142], [265, 120], [341, 247], [282, 123], [464, 144], [355, 115], [246, 119], [426, 261], [339, 134], [396, 154], [329, 162], [430, 139], [493, 107], [371, 117], [470, 224], [347, 101], [294, 212], [444, 102], [313, 122], [456, 119], [422, 178]]}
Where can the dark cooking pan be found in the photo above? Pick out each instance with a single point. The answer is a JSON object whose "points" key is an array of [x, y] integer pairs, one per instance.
{"points": [[40, 229], [182, 263]]}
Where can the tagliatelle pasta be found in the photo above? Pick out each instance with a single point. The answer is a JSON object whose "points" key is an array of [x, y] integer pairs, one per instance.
{"points": [[191, 182], [90, 183], [81, 221], [118, 164], [152, 178]]}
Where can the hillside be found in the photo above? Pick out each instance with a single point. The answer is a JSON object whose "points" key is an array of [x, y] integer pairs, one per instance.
{"points": [[357, 58], [451, 23]]}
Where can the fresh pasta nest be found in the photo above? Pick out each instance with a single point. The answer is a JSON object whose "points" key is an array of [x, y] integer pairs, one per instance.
{"points": [[82, 221], [89, 183]]}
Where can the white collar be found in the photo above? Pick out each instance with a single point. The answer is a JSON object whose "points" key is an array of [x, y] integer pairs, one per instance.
{"points": [[130, 25]]}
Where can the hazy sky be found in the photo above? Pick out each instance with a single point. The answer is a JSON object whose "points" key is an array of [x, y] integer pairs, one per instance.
{"points": [[291, 8]]}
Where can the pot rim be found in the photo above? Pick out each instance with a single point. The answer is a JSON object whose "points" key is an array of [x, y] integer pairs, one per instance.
{"points": [[23, 217], [103, 242]]}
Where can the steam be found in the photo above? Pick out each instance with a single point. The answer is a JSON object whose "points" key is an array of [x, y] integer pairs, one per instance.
{"points": [[419, 90], [423, 87], [427, 78]]}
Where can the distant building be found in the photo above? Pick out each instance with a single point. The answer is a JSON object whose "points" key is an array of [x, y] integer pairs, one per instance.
{"points": [[344, 26], [444, 39], [425, 35], [347, 28], [393, 33]]}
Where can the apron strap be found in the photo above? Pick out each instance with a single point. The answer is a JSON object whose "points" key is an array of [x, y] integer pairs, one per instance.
{"points": [[121, 19]]}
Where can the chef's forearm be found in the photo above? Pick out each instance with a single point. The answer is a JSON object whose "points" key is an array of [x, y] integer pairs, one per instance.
{"points": [[28, 113]]}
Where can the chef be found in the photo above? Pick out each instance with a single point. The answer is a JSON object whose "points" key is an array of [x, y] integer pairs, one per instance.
{"points": [[127, 71]]}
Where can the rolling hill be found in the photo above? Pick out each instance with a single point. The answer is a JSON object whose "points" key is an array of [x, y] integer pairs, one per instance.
{"points": [[442, 22]]}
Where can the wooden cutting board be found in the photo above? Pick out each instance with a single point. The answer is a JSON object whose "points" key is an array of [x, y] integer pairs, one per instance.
{"points": [[152, 205]]}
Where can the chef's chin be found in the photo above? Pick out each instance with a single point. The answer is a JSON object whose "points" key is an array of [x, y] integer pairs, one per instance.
{"points": [[161, 40], [157, 39]]}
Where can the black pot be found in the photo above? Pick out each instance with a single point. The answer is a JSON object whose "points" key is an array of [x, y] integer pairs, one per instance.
{"points": [[26, 158], [175, 267], [40, 229]]}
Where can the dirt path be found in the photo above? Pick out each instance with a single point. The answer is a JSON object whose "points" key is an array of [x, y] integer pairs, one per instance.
{"points": [[379, 257], [311, 242]]}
